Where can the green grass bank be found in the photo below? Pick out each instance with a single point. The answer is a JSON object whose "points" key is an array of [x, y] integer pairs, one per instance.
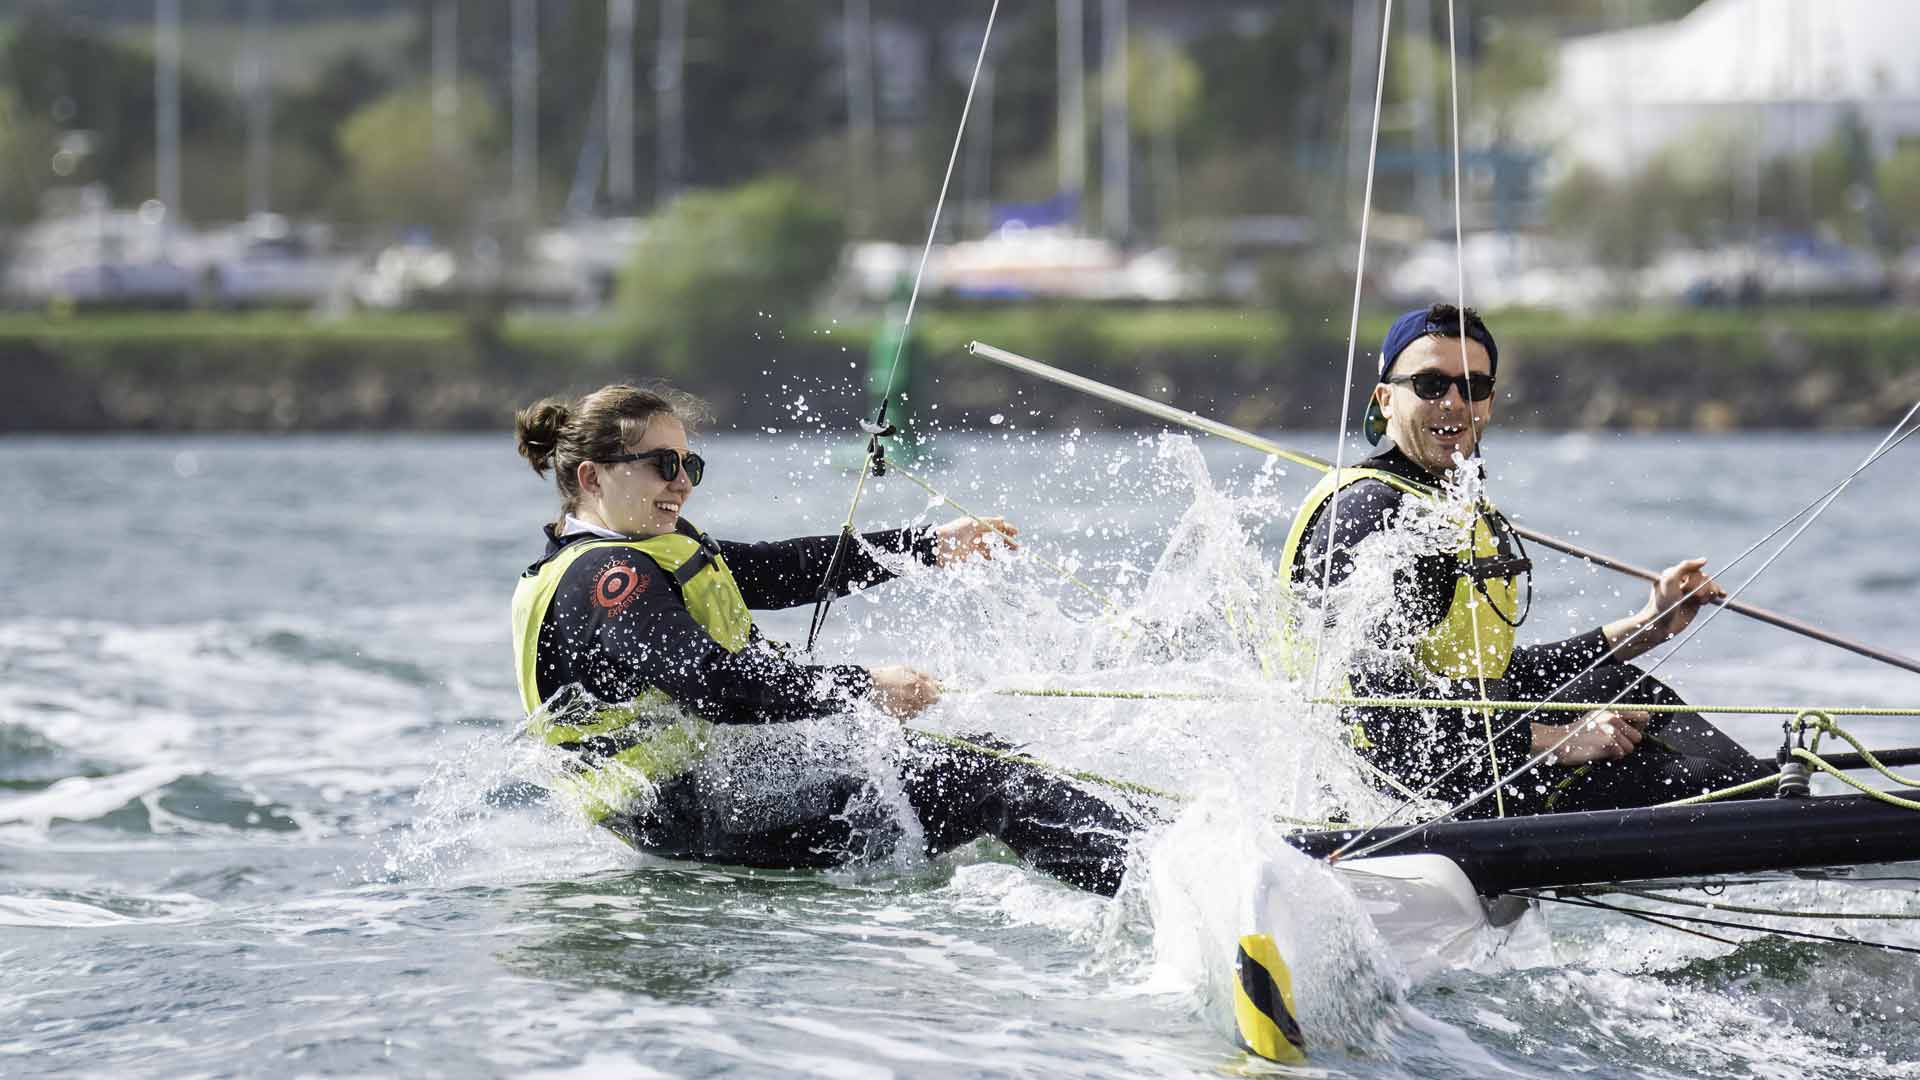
{"points": [[1708, 370]]}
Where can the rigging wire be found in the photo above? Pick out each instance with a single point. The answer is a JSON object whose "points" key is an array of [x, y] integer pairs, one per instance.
{"points": [[1738, 909], [1473, 523], [1812, 513], [1305, 769], [823, 597], [1669, 919]]}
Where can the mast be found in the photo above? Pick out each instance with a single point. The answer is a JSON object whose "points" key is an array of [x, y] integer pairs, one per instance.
{"points": [[1117, 156], [858, 25], [166, 94], [669, 69], [526, 110], [619, 98], [259, 83], [446, 75], [1072, 124]]}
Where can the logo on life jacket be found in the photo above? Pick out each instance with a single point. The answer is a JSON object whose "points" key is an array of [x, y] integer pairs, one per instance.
{"points": [[615, 586]]}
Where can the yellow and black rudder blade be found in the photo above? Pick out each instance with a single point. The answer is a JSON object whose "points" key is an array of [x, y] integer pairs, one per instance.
{"points": [[1263, 1002]]}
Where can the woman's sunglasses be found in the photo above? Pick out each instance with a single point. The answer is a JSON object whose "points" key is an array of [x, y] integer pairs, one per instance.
{"points": [[668, 461], [1432, 385]]}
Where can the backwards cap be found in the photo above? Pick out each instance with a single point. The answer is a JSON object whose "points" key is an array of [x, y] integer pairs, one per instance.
{"points": [[1442, 319]]}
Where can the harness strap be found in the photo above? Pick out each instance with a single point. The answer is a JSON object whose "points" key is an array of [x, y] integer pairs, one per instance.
{"points": [[698, 562]]}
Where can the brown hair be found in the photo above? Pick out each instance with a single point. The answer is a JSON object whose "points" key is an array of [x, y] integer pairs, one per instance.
{"points": [[560, 434]]}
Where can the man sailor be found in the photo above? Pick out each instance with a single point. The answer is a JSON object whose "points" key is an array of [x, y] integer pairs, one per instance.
{"points": [[1457, 604]]}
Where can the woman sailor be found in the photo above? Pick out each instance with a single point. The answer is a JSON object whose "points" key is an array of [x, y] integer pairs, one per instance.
{"points": [[633, 638]]}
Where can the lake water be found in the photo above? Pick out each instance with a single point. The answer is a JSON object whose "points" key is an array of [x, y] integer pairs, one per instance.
{"points": [[260, 811]]}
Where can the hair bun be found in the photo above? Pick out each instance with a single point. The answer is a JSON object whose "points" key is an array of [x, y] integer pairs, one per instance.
{"points": [[537, 431]]}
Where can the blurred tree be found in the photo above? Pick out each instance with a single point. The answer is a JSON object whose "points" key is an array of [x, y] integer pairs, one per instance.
{"points": [[26, 152], [1515, 64], [399, 175], [1840, 183], [1899, 180], [760, 81], [309, 117], [720, 269], [68, 75]]}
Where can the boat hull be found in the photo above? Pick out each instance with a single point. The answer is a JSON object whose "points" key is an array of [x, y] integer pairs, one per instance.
{"points": [[1734, 837]]}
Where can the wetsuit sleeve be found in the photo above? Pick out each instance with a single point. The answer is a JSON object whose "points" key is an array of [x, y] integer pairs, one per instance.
{"points": [[1538, 670], [645, 638], [787, 573]]}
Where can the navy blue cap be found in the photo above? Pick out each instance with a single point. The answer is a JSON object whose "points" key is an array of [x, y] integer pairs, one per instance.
{"points": [[1420, 322], [1441, 319]]}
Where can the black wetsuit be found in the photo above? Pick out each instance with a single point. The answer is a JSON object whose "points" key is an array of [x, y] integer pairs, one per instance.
{"points": [[813, 817], [1684, 755]]}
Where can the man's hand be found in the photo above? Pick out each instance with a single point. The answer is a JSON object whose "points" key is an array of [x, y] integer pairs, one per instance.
{"points": [[965, 538], [901, 692], [1683, 588], [1601, 735]]}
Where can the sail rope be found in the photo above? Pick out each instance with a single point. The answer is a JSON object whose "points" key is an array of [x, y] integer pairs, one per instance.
{"points": [[1590, 891], [1670, 920], [1817, 719], [823, 597], [1454, 703], [1460, 290], [1013, 755], [1353, 341]]}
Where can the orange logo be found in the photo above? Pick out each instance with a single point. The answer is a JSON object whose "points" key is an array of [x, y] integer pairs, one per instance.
{"points": [[616, 585]]}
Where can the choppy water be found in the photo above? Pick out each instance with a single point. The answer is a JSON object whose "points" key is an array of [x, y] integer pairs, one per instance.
{"points": [[258, 810]]}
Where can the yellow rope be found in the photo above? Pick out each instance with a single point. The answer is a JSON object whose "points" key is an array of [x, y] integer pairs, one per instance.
{"points": [[1821, 721], [1727, 793], [1818, 718], [1588, 706], [1451, 703], [1129, 786]]}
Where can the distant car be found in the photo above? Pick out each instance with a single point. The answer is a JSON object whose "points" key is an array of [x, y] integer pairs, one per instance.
{"points": [[1019, 262], [1501, 270], [268, 263], [1816, 268], [579, 263], [407, 275], [1797, 267], [103, 260], [574, 266]]}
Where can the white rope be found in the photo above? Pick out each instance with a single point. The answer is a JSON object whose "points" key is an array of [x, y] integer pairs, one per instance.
{"points": [[1353, 341], [1466, 401], [933, 228], [913, 299]]}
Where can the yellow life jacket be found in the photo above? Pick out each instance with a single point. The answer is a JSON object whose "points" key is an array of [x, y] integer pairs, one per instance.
{"points": [[656, 740], [1447, 648]]}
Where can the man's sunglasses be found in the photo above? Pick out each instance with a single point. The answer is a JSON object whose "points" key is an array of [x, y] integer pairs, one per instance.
{"points": [[668, 461], [1432, 386]]}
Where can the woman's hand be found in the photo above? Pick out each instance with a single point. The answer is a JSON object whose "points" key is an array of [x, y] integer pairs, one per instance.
{"points": [[901, 692], [1683, 588], [966, 538], [1601, 735]]}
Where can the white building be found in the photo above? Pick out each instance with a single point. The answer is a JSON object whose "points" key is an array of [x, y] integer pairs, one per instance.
{"points": [[1765, 77]]}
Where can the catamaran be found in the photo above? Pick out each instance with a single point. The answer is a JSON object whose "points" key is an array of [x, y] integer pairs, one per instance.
{"points": [[1432, 887]]}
